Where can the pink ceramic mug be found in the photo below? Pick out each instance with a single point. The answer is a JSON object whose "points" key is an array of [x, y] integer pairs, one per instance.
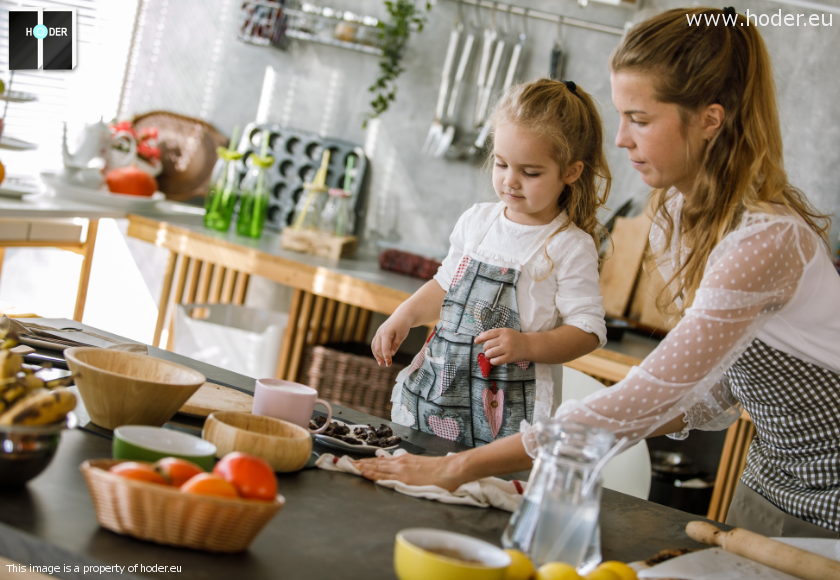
{"points": [[288, 401]]}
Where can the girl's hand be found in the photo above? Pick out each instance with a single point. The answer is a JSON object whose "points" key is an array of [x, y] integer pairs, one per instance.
{"points": [[388, 339], [504, 345], [413, 470]]}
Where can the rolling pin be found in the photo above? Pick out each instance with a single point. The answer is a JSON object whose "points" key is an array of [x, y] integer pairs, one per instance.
{"points": [[761, 549]]}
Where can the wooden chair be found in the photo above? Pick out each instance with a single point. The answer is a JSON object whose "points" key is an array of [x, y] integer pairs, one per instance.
{"points": [[316, 320], [732, 462], [199, 282]]}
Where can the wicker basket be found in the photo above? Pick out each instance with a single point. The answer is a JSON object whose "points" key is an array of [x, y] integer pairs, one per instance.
{"points": [[163, 514], [350, 380]]}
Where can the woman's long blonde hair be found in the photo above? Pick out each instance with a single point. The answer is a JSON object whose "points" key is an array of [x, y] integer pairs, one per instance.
{"points": [[570, 122], [741, 168]]}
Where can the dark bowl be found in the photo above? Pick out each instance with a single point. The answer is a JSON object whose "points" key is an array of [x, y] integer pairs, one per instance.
{"points": [[26, 451]]}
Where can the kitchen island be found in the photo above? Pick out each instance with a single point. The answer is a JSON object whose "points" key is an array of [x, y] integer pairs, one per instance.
{"points": [[334, 525]]}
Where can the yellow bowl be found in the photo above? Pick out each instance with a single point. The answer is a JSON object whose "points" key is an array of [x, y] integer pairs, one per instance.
{"points": [[423, 553]]}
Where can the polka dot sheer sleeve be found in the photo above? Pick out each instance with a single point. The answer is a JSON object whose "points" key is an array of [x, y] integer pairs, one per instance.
{"points": [[751, 274]]}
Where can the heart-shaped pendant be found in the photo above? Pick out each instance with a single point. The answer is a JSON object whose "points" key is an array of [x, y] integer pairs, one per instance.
{"points": [[444, 428], [494, 406], [485, 364]]}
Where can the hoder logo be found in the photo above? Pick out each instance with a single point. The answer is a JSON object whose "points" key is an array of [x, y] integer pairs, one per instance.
{"points": [[42, 39]]}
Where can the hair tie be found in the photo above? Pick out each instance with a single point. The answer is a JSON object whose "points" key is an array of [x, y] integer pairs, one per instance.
{"points": [[729, 11], [571, 86]]}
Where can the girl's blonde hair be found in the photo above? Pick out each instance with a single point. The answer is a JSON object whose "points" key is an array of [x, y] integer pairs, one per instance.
{"points": [[570, 122], [741, 168]]}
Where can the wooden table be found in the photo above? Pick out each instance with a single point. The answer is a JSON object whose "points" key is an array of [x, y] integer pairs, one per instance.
{"points": [[332, 300], [334, 525], [44, 208]]}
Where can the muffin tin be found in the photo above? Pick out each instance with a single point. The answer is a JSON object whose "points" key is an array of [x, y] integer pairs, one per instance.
{"points": [[297, 157]]}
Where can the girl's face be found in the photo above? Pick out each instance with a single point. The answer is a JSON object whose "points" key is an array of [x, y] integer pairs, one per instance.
{"points": [[525, 176], [662, 149]]}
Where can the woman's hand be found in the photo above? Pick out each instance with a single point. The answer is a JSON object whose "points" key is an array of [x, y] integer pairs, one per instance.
{"points": [[388, 338], [414, 470], [504, 345]]}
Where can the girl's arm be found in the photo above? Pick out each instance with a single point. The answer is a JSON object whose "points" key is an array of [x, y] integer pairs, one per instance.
{"points": [[556, 346], [423, 307]]}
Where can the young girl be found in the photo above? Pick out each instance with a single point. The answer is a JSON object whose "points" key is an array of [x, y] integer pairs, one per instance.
{"points": [[518, 291], [745, 258]]}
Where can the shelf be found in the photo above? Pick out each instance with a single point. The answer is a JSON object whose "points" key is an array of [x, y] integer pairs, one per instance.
{"points": [[17, 97], [301, 35]]}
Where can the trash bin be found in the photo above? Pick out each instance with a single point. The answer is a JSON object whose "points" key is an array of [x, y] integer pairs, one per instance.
{"points": [[239, 339]]}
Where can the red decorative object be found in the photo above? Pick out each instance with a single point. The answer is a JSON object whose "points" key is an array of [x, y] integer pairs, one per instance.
{"points": [[485, 364], [407, 263], [147, 144], [494, 406]]}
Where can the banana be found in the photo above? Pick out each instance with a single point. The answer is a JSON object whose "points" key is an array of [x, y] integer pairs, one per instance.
{"points": [[10, 364], [11, 395], [41, 407]]}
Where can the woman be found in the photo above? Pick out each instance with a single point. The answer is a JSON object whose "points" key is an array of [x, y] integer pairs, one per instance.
{"points": [[747, 267]]}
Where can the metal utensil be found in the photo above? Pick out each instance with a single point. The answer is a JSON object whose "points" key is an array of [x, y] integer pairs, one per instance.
{"points": [[436, 129], [555, 70], [449, 132]]}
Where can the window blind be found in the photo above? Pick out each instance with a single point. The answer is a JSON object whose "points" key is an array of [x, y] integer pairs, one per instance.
{"points": [[77, 97]]}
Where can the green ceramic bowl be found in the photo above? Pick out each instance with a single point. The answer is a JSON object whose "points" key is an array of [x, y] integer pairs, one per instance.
{"points": [[141, 443]]}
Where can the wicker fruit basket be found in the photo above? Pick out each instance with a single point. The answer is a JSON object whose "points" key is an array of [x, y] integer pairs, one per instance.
{"points": [[162, 514]]}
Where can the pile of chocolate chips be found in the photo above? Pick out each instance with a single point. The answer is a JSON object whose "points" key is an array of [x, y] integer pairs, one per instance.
{"points": [[382, 437]]}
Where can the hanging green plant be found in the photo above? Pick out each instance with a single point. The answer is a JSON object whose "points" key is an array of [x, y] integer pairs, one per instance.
{"points": [[404, 18]]}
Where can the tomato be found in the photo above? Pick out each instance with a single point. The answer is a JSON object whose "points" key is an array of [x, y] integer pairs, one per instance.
{"points": [[138, 471], [209, 484], [131, 181], [252, 476], [177, 471]]}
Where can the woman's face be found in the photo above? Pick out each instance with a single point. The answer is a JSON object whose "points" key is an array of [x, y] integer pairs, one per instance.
{"points": [[662, 149]]}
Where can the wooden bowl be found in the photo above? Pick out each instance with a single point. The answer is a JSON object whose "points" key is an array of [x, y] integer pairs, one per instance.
{"points": [[123, 388], [284, 445]]}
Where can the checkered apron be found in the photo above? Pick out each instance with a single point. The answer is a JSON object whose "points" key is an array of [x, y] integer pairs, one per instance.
{"points": [[794, 460], [452, 390]]}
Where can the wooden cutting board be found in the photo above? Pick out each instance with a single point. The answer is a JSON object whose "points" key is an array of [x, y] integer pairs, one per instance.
{"points": [[212, 397]]}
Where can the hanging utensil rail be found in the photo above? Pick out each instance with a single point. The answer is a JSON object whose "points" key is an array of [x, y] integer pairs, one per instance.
{"points": [[556, 18]]}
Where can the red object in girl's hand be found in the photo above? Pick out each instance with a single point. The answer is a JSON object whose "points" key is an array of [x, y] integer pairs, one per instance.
{"points": [[131, 181]]}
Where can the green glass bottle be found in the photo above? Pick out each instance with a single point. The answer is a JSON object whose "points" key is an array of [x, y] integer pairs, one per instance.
{"points": [[253, 203], [224, 188]]}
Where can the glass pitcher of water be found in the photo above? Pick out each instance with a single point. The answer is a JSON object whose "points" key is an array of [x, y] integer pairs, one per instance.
{"points": [[557, 520]]}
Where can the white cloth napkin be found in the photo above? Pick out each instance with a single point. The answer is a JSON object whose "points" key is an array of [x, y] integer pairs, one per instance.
{"points": [[490, 491]]}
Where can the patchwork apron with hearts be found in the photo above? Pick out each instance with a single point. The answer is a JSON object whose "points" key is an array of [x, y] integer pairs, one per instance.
{"points": [[451, 390]]}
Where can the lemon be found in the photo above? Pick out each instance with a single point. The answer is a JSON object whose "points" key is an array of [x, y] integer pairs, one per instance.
{"points": [[520, 567], [557, 571], [624, 571], [600, 573]]}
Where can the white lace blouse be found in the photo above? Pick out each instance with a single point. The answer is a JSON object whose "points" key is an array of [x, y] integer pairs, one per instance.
{"points": [[771, 279]]}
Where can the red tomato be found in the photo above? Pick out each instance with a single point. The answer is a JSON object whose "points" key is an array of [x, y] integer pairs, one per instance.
{"points": [[177, 471], [252, 476]]}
